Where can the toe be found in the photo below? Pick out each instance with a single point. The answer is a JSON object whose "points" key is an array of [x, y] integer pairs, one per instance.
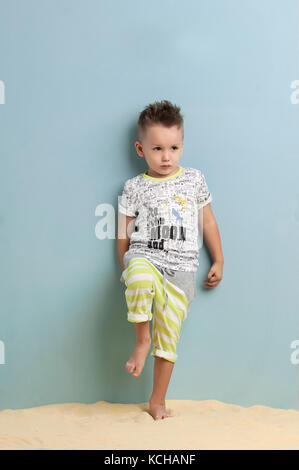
{"points": [[129, 367]]}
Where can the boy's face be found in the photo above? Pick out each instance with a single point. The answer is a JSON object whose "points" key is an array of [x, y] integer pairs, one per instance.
{"points": [[161, 146]]}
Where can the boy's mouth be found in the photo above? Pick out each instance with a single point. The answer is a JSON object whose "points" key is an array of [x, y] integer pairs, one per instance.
{"points": [[165, 166]]}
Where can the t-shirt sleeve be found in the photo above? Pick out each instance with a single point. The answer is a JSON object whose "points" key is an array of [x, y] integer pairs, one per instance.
{"points": [[127, 203], [204, 196]]}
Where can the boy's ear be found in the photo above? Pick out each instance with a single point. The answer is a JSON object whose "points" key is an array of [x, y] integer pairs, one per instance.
{"points": [[138, 146]]}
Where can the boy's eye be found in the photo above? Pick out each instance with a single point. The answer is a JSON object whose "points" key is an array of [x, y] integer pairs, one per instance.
{"points": [[174, 146]]}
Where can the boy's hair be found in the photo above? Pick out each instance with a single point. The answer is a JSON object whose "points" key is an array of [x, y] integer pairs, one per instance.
{"points": [[160, 112]]}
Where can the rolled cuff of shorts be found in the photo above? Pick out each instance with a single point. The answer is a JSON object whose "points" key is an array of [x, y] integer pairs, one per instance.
{"points": [[139, 317], [170, 356]]}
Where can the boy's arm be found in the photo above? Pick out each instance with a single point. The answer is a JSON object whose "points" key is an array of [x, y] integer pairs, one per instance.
{"points": [[211, 236], [124, 235]]}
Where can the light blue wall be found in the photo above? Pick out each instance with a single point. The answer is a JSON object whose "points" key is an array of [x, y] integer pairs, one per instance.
{"points": [[76, 75]]}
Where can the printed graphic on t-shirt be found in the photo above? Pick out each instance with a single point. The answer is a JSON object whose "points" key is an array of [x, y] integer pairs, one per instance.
{"points": [[166, 222]]}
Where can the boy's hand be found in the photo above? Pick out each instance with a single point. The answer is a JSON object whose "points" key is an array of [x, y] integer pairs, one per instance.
{"points": [[214, 275]]}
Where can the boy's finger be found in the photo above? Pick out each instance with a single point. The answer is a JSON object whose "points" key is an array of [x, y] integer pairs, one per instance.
{"points": [[210, 284], [211, 278]]}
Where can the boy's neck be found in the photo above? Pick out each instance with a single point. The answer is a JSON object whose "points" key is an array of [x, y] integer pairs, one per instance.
{"points": [[157, 175]]}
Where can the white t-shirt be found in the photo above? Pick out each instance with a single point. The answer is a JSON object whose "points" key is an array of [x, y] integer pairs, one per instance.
{"points": [[166, 211]]}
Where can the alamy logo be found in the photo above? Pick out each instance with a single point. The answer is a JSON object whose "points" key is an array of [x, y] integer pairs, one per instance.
{"points": [[2, 353], [295, 95], [295, 355], [2, 92]]}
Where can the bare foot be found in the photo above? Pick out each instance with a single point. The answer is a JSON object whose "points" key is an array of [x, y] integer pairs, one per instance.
{"points": [[158, 410], [136, 362]]}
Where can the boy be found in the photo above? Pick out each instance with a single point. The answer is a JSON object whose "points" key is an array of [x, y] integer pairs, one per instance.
{"points": [[159, 258]]}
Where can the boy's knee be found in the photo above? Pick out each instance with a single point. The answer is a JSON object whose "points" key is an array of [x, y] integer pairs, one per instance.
{"points": [[139, 317], [167, 355]]}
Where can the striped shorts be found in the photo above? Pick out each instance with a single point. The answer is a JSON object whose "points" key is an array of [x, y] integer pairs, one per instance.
{"points": [[147, 286]]}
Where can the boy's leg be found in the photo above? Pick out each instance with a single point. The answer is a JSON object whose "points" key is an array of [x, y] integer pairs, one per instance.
{"points": [[162, 373], [139, 281], [143, 341], [166, 332]]}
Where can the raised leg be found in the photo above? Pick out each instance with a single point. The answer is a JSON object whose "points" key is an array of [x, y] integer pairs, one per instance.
{"points": [[143, 341]]}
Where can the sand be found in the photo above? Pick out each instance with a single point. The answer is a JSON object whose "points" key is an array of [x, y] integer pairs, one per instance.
{"points": [[206, 424]]}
